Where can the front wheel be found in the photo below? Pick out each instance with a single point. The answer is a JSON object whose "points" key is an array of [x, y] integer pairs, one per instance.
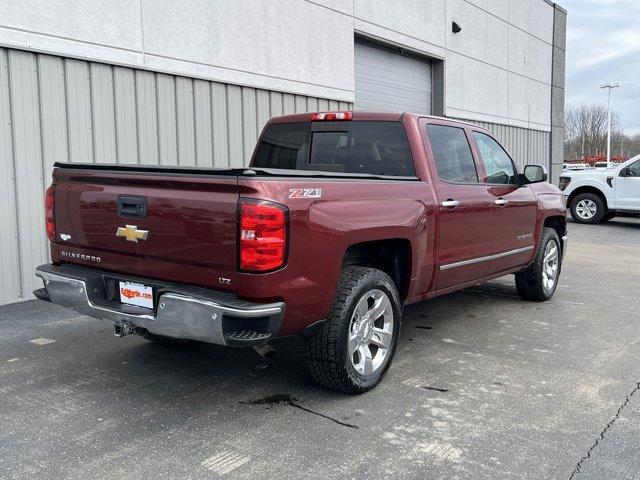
{"points": [[539, 280], [587, 208], [353, 349]]}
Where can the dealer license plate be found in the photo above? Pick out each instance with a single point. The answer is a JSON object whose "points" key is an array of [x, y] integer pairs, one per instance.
{"points": [[136, 294]]}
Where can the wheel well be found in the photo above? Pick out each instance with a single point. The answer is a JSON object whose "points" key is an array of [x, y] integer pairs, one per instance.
{"points": [[392, 256], [559, 224], [586, 189]]}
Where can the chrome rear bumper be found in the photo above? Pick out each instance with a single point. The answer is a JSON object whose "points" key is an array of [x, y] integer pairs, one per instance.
{"points": [[180, 311]]}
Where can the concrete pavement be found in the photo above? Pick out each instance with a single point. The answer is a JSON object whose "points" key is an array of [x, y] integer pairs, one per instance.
{"points": [[484, 385]]}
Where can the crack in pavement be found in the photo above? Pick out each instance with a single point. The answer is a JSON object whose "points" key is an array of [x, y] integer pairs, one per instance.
{"points": [[287, 399], [576, 470], [428, 387]]}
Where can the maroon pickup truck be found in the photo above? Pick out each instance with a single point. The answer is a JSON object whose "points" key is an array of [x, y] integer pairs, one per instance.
{"points": [[341, 220]]}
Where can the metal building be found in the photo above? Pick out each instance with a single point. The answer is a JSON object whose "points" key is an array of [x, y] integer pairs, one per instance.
{"points": [[155, 81]]}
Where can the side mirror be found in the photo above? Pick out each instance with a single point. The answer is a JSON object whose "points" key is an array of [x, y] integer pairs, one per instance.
{"points": [[535, 174], [625, 172]]}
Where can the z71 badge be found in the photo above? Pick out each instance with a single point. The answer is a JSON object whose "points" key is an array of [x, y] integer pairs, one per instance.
{"points": [[305, 193]]}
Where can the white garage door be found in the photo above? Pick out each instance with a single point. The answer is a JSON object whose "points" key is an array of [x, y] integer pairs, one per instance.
{"points": [[385, 80]]}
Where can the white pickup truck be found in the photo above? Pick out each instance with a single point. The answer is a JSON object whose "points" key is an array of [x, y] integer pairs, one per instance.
{"points": [[599, 195]]}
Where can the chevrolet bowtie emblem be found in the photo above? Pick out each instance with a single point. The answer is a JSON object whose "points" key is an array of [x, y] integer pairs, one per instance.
{"points": [[132, 234]]}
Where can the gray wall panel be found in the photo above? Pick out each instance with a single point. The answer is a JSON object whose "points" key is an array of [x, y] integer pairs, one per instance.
{"points": [[220, 124], [185, 121], [249, 121], [202, 123], [103, 113], [234, 125], [167, 123], [10, 282], [275, 103], [52, 109], [300, 104], [312, 104], [28, 166], [526, 146], [79, 119], [288, 104], [55, 109], [124, 86], [146, 118], [263, 109]]}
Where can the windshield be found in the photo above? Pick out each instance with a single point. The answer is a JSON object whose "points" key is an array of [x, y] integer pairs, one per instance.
{"points": [[376, 148]]}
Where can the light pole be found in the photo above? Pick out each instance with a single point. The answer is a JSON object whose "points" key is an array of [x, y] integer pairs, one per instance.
{"points": [[609, 86]]}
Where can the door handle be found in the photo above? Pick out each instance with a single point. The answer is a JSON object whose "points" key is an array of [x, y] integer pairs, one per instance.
{"points": [[450, 204], [501, 202], [132, 206]]}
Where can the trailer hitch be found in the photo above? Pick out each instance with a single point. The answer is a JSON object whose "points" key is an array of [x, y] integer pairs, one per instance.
{"points": [[123, 329]]}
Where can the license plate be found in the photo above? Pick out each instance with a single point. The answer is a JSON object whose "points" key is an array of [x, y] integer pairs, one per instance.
{"points": [[136, 294]]}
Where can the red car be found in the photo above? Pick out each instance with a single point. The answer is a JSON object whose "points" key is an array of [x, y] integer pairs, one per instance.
{"points": [[342, 219]]}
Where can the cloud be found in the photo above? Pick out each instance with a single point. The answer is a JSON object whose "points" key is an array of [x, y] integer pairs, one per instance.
{"points": [[603, 44]]}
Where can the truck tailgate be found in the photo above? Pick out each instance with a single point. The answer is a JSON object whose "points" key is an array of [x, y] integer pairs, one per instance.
{"points": [[190, 220]]}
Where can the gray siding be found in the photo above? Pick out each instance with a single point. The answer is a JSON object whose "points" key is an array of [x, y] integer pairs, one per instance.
{"points": [[526, 146], [60, 109]]}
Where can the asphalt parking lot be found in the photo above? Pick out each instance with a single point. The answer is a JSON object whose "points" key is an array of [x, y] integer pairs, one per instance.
{"points": [[484, 385]]}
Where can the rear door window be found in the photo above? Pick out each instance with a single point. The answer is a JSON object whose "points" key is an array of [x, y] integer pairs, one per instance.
{"points": [[376, 148], [452, 153]]}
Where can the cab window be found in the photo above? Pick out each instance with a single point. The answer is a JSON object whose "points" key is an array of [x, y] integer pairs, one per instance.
{"points": [[497, 164], [634, 169], [375, 148]]}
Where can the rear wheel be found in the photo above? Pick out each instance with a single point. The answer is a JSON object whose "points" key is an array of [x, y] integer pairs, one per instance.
{"points": [[353, 349], [587, 208], [540, 279]]}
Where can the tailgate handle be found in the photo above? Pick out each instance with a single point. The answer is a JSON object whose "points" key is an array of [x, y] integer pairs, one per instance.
{"points": [[132, 206]]}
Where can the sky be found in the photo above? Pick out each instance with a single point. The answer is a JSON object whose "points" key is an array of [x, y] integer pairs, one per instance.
{"points": [[603, 45]]}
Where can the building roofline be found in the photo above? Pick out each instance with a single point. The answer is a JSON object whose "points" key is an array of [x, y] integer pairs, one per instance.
{"points": [[555, 5]]}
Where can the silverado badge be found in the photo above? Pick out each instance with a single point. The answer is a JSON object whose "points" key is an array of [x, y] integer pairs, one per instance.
{"points": [[131, 233]]}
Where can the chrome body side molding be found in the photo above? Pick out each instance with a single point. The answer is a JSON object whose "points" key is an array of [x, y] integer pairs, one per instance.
{"points": [[485, 259]]}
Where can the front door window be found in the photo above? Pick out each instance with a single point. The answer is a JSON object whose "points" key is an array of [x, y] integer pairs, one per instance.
{"points": [[498, 165]]}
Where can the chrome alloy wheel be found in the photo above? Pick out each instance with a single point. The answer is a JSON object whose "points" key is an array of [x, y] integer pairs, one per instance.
{"points": [[550, 265], [586, 209], [370, 332]]}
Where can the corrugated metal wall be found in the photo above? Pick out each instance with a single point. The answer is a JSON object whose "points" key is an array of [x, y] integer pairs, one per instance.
{"points": [[59, 109], [526, 146]]}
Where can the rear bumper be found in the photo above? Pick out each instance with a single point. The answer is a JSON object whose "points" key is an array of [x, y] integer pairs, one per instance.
{"points": [[179, 311]]}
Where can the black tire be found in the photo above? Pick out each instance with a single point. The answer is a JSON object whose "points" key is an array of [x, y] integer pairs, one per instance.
{"points": [[326, 351], [601, 208], [529, 282]]}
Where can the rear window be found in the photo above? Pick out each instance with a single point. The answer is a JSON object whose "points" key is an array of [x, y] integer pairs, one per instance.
{"points": [[377, 148]]}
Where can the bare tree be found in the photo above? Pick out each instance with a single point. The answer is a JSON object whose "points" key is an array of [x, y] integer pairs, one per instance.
{"points": [[586, 131]]}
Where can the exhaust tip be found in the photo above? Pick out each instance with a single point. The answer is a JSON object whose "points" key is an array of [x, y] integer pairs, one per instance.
{"points": [[265, 351]]}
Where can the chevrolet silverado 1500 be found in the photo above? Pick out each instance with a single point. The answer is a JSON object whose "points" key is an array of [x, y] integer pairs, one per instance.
{"points": [[341, 219]]}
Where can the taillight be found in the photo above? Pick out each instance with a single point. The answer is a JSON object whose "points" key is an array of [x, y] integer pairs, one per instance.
{"points": [[263, 235], [564, 181], [50, 222], [319, 116]]}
